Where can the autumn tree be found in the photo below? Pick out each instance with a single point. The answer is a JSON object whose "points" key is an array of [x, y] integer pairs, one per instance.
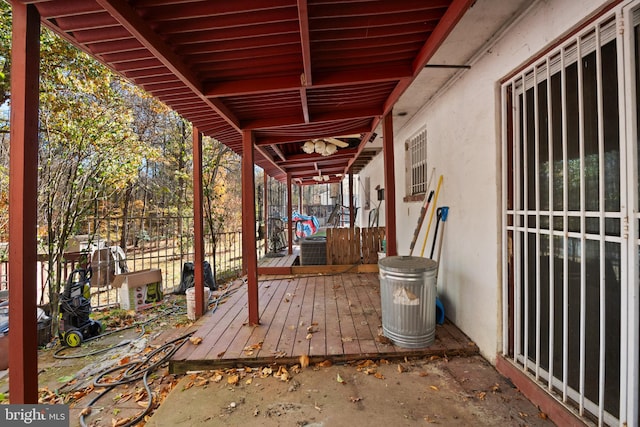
{"points": [[88, 149]]}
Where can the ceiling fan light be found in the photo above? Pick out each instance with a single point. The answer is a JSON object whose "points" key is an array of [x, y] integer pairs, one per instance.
{"points": [[325, 177], [329, 149], [308, 147], [319, 146]]}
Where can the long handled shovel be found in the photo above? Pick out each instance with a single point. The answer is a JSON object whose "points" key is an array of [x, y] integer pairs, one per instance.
{"points": [[435, 201], [443, 212], [435, 232], [423, 213]]}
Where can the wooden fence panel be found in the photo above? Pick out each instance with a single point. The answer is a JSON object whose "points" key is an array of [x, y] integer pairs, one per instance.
{"points": [[343, 246], [372, 244]]}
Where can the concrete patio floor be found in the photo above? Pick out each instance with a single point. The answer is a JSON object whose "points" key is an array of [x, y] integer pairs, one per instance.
{"points": [[460, 391]]}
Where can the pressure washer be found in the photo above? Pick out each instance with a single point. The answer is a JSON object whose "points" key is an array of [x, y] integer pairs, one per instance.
{"points": [[75, 308]]}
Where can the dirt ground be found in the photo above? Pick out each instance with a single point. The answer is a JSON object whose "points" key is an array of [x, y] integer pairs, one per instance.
{"points": [[450, 392], [455, 392]]}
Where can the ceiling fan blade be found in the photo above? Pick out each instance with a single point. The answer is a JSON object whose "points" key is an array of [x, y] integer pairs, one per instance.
{"points": [[337, 142]]}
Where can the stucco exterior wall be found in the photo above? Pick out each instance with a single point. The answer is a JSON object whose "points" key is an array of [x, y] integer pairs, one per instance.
{"points": [[464, 144]]}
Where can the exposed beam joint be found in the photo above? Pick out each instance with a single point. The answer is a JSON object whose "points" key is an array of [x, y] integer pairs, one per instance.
{"points": [[268, 158], [279, 152]]}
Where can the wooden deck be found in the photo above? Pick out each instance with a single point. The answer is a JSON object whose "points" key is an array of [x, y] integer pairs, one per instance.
{"points": [[285, 264], [335, 317]]}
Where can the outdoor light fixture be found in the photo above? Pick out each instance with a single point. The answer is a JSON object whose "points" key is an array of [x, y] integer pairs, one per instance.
{"points": [[308, 147], [324, 146]]}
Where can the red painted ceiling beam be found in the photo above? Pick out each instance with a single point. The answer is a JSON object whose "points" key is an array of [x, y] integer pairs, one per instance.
{"points": [[318, 118], [130, 20], [281, 139], [217, 35], [361, 76], [354, 9], [375, 21], [213, 9], [230, 21]]}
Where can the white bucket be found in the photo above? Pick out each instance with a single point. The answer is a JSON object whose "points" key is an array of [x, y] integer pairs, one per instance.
{"points": [[191, 301], [381, 255]]}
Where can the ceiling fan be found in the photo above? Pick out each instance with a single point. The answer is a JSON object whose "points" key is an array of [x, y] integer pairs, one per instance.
{"points": [[320, 177], [326, 146]]}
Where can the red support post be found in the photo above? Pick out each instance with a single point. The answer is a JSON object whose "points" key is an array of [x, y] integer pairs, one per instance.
{"points": [[289, 214], [249, 226], [266, 211], [352, 216], [198, 227], [23, 207], [389, 184]]}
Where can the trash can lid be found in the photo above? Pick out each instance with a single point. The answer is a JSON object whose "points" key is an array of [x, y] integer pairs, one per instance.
{"points": [[407, 263]]}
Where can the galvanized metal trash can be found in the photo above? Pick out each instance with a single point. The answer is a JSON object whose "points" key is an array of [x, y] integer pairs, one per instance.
{"points": [[408, 297]]}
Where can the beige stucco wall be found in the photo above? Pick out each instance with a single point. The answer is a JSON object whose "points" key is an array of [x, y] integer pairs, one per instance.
{"points": [[463, 133]]}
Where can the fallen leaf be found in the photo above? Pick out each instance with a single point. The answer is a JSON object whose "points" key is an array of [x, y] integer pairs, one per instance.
{"points": [[304, 361], [434, 388], [325, 363], [401, 368], [86, 411], [378, 375], [282, 374], [233, 379], [248, 381], [384, 340], [339, 379], [217, 378], [366, 363], [195, 340], [542, 415], [496, 388], [124, 360], [219, 355], [119, 422], [481, 395], [355, 399], [423, 374], [309, 336]]}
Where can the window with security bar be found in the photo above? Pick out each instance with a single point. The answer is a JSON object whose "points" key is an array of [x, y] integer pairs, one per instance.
{"points": [[416, 158], [564, 241]]}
